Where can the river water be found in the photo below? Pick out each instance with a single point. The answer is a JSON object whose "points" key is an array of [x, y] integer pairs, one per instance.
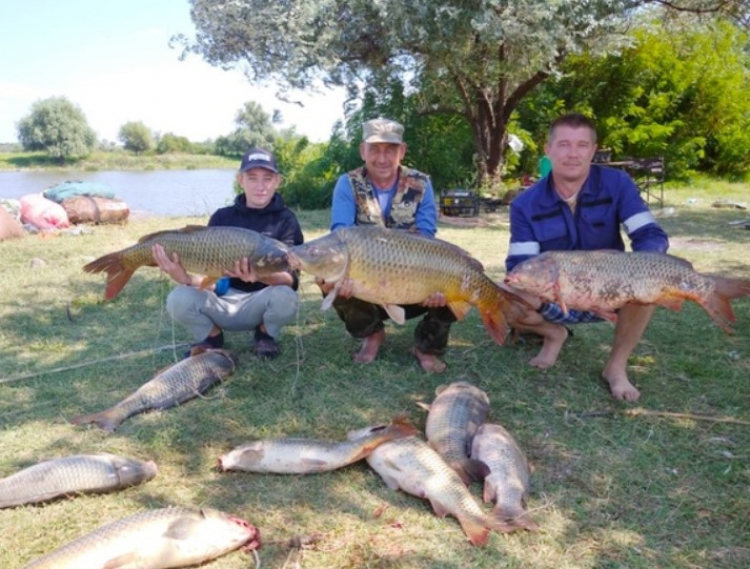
{"points": [[159, 192]]}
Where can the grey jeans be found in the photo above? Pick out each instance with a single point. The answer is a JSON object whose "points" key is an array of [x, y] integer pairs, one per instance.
{"points": [[199, 310]]}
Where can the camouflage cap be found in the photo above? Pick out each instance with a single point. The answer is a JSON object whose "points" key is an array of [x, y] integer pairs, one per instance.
{"points": [[383, 130]]}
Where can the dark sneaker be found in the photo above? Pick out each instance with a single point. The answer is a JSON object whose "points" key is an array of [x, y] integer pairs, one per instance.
{"points": [[210, 343], [265, 347]]}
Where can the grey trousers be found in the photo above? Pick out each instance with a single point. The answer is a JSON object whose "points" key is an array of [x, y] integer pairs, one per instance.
{"points": [[199, 310]]}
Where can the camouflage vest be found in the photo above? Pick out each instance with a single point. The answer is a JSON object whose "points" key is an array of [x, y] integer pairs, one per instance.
{"points": [[409, 192]]}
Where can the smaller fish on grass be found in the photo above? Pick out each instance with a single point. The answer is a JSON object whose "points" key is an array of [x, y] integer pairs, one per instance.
{"points": [[175, 385], [452, 419], [70, 475], [411, 465], [603, 281], [209, 251], [155, 539], [306, 456], [507, 484]]}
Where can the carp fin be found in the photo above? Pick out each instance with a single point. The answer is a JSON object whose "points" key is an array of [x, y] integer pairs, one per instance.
{"points": [[317, 465], [459, 309], [330, 297], [125, 561], [207, 282], [396, 312]]}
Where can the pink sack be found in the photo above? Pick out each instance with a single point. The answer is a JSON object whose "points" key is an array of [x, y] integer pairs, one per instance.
{"points": [[43, 213]]}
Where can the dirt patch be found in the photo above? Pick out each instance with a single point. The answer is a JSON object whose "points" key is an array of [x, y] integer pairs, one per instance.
{"points": [[694, 244]]}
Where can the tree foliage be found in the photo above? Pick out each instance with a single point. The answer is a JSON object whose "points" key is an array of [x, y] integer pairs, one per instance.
{"points": [[679, 92], [170, 143], [57, 127], [254, 127], [136, 136], [477, 60]]}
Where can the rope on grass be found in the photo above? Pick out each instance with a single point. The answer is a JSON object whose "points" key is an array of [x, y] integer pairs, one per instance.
{"points": [[93, 362], [641, 412]]}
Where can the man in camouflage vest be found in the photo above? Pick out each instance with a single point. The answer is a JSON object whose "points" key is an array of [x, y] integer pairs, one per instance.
{"points": [[385, 193]]}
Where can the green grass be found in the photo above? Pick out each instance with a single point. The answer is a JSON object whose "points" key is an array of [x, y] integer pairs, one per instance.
{"points": [[116, 160], [609, 490]]}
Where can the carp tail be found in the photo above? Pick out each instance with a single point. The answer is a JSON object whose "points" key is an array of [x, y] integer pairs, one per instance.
{"points": [[502, 312], [717, 303], [117, 274], [104, 420]]}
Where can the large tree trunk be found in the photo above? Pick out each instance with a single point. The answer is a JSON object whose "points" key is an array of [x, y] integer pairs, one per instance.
{"points": [[489, 115]]}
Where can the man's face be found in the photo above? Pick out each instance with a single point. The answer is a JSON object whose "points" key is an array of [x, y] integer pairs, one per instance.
{"points": [[571, 150], [382, 161], [259, 185]]}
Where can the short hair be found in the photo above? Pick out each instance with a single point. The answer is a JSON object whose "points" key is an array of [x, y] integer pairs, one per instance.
{"points": [[573, 120]]}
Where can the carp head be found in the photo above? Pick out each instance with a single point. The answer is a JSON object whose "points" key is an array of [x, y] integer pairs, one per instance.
{"points": [[325, 257], [538, 275]]}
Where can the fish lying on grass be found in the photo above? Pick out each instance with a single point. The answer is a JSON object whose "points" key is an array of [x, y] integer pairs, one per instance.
{"points": [[507, 484], [411, 465], [391, 267], [155, 539], [209, 251], [603, 281], [176, 384], [70, 475], [453, 418], [305, 456]]}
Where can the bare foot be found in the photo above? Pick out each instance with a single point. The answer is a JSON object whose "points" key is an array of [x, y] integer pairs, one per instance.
{"points": [[620, 387], [370, 346], [429, 362], [554, 338]]}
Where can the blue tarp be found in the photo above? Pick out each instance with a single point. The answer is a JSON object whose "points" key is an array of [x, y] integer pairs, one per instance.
{"points": [[71, 189]]}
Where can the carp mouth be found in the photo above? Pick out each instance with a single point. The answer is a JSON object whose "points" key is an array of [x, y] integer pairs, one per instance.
{"points": [[253, 538]]}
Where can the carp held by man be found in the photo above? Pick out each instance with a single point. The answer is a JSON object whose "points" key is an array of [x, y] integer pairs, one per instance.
{"points": [[391, 267], [155, 539], [208, 251], [172, 386], [603, 281], [70, 475]]}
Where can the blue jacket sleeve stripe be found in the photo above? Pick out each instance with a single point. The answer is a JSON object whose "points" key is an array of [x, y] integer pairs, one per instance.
{"points": [[635, 222], [524, 248]]}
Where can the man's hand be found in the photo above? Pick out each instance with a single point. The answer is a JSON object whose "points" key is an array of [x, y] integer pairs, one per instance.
{"points": [[172, 266], [243, 271], [435, 300]]}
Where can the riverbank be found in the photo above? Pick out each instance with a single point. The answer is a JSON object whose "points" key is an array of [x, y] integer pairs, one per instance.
{"points": [[114, 160]]}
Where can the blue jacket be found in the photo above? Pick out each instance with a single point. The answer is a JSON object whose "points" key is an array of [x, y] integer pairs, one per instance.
{"points": [[541, 221], [275, 220]]}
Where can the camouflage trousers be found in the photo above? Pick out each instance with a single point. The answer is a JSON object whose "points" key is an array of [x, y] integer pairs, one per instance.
{"points": [[363, 319]]}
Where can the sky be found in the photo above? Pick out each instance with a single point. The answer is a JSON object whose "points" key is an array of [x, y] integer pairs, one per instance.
{"points": [[112, 59]]}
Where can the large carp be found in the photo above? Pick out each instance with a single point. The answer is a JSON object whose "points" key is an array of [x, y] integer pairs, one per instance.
{"points": [[174, 385], [454, 416], [603, 281], [391, 267], [305, 456], [70, 475], [155, 539], [209, 251], [411, 465], [507, 484]]}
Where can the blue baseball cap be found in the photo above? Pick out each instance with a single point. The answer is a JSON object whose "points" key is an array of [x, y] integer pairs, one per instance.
{"points": [[259, 158]]}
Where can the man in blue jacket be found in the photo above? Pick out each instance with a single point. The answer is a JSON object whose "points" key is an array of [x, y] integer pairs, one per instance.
{"points": [[243, 301], [580, 206]]}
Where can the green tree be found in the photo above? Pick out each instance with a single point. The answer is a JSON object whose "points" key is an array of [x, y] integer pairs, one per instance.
{"points": [[678, 92], [477, 60], [58, 127], [136, 136], [255, 127], [172, 143]]}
